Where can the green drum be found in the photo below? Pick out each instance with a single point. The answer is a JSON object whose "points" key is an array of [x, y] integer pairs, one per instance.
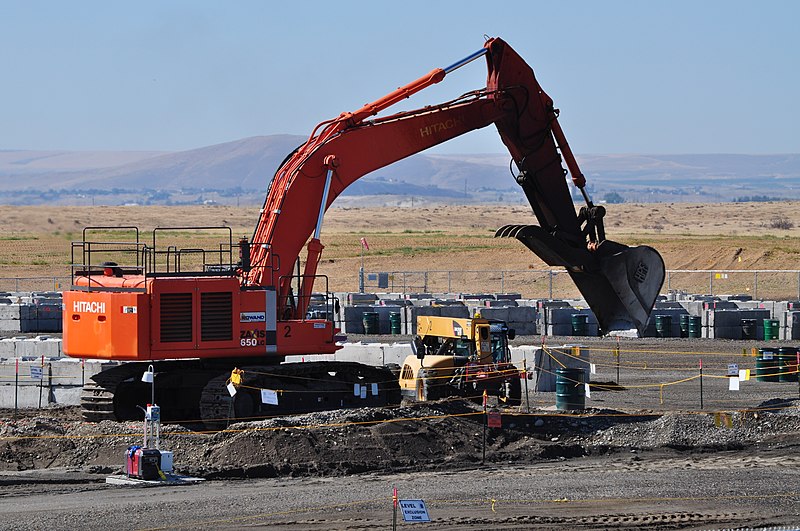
{"points": [[570, 393], [771, 327], [579, 323], [664, 325], [695, 327], [787, 364], [767, 365], [683, 323], [371, 321], [394, 323]]}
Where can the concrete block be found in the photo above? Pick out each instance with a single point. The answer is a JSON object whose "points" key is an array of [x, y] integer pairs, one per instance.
{"points": [[491, 303], [719, 305], [418, 296], [361, 298], [447, 302], [507, 296], [7, 348], [475, 296], [10, 312], [10, 325], [693, 307], [724, 332], [494, 313], [558, 330]]}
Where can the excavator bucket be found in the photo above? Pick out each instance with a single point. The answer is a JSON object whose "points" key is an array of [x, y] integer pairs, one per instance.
{"points": [[619, 283]]}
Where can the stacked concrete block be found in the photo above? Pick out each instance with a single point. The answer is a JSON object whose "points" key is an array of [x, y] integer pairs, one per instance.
{"points": [[508, 296], [790, 325], [541, 312], [26, 312], [521, 319], [727, 323], [504, 303], [558, 321], [360, 299], [11, 316], [475, 296], [61, 382]]}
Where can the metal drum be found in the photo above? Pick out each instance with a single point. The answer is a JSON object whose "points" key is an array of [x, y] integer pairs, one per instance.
{"points": [[695, 327], [570, 393], [771, 327], [787, 364], [767, 365], [579, 322], [664, 325], [394, 323]]}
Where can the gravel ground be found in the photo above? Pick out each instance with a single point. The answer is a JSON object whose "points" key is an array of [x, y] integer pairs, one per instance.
{"points": [[642, 456]]}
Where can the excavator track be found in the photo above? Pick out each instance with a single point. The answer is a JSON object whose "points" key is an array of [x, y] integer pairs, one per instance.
{"points": [[195, 391], [297, 388], [97, 402]]}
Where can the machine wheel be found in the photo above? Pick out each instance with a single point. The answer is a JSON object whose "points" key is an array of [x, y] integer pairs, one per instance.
{"points": [[422, 391], [514, 396]]}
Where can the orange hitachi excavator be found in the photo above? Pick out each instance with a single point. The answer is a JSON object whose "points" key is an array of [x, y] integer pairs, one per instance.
{"points": [[244, 304]]}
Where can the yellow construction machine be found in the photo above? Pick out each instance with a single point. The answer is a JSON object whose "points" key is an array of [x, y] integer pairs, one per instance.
{"points": [[460, 357]]}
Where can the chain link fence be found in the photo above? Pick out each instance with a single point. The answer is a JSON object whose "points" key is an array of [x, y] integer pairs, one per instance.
{"points": [[767, 284]]}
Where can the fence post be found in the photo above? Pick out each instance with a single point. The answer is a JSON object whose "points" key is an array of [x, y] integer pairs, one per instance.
{"points": [[550, 275], [711, 283], [755, 285], [449, 289], [502, 281]]}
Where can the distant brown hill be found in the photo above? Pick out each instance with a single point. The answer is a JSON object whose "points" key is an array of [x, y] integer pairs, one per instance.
{"points": [[246, 167]]}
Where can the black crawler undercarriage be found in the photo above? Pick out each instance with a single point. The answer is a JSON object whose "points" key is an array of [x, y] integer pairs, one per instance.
{"points": [[195, 392]]}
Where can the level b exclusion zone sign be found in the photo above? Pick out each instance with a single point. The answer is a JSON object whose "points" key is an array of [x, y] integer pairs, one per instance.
{"points": [[414, 511]]}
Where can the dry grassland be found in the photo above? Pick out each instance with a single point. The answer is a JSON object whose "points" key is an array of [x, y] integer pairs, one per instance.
{"points": [[743, 236]]}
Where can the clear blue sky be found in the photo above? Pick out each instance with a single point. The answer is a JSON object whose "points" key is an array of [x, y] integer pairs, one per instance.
{"points": [[629, 76]]}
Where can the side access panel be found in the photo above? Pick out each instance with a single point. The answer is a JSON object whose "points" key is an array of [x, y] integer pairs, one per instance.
{"points": [[106, 325]]}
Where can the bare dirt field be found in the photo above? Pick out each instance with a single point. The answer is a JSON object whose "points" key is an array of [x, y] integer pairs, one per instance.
{"points": [[643, 456], [735, 236]]}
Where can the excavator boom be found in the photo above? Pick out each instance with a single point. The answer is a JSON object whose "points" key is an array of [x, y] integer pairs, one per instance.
{"points": [[620, 285]]}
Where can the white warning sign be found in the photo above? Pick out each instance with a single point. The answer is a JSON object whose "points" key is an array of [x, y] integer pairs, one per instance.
{"points": [[414, 511]]}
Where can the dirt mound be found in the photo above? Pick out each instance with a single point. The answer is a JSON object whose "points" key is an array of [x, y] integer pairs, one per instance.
{"points": [[446, 435]]}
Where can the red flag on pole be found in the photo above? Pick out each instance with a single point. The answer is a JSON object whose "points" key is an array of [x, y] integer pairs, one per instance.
{"points": [[364, 243]]}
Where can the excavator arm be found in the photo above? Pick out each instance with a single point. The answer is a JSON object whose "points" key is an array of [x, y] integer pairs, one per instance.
{"points": [[619, 283]]}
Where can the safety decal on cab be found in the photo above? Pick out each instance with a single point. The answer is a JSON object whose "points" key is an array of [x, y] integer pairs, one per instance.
{"points": [[129, 309]]}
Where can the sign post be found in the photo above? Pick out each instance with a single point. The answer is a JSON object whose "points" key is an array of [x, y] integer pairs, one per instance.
{"points": [[394, 509]]}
